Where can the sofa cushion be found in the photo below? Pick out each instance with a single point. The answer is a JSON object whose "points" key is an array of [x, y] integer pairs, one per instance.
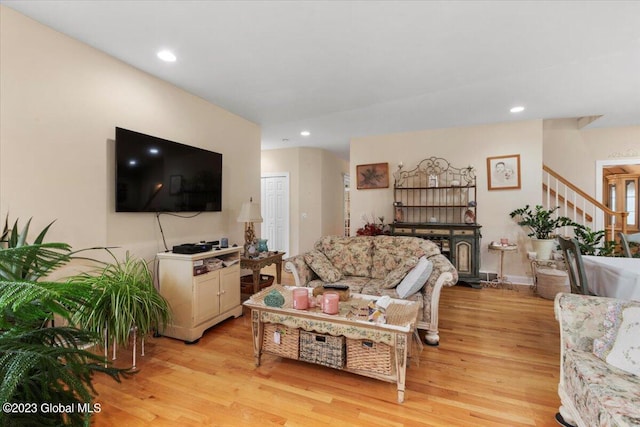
{"points": [[352, 256], [355, 283], [389, 252], [619, 344], [397, 274], [415, 280], [603, 393], [321, 265]]}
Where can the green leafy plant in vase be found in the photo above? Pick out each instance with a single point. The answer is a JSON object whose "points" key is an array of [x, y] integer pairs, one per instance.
{"points": [[122, 300], [541, 224]]}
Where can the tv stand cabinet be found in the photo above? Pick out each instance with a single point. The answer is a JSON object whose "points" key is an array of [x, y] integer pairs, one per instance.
{"points": [[202, 289]]}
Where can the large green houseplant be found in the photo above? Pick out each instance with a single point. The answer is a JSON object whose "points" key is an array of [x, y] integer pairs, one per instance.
{"points": [[122, 299], [41, 363], [541, 224]]}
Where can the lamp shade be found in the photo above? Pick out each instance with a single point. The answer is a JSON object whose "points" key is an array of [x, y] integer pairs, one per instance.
{"points": [[250, 212]]}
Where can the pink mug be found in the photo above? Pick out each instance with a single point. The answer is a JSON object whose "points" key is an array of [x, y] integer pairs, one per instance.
{"points": [[300, 299], [330, 303]]}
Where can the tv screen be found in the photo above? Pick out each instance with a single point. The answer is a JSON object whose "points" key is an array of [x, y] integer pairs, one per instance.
{"points": [[157, 175]]}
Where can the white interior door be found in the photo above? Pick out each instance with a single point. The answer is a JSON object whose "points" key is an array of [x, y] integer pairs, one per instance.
{"points": [[275, 211]]}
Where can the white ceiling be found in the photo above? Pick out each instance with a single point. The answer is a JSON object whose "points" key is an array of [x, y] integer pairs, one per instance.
{"points": [[344, 69]]}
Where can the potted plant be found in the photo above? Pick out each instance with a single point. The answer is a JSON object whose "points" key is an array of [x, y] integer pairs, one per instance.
{"points": [[122, 299], [41, 362], [591, 243], [542, 224]]}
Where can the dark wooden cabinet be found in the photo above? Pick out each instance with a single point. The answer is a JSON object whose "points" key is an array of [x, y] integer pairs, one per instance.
{"points": [[437, 201]]}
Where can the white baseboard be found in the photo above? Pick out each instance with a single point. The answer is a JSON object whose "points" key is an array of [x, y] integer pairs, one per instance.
{"points": [[487, 276]]}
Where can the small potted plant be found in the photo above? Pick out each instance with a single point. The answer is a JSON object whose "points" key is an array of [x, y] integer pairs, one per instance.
{"points": [[542, 224], [122, 299]]}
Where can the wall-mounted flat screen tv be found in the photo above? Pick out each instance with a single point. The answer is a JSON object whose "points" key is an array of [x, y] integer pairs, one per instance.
{"points": [[157, 175]]}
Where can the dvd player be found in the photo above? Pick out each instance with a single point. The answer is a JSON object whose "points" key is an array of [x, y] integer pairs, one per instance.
{"points": [[192, 248]]}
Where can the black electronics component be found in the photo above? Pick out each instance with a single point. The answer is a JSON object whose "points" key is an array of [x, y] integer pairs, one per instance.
{"points": [[192, 248]]}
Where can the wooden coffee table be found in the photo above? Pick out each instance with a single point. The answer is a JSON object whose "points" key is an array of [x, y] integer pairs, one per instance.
{"points": [[396, 333]]}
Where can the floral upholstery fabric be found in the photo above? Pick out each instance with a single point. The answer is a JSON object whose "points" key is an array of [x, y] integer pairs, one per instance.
{"points": [[389, 252], [396, 275], [321, 265], [352, 256], [604, 395], [356, 254], [355, 283], [304, 272], [601, 394]]}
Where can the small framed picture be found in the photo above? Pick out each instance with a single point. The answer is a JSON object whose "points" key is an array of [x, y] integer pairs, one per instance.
{"points": [[503, 172], [374, 175]]}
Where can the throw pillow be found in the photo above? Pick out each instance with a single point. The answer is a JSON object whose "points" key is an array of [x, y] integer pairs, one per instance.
{"points": [[612, 320], [397, 274], [625, 349], [321, 265], [415, 279]]}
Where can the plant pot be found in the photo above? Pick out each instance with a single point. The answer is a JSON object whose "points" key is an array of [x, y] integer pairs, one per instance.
{"points": [[543, 247]]}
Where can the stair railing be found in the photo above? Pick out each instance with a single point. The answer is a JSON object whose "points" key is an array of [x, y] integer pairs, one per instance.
{"points": [[578, 205]]}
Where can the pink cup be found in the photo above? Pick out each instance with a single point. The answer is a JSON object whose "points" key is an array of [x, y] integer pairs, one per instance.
{"points": [[300, 299], [330, 303], [504, 241]]}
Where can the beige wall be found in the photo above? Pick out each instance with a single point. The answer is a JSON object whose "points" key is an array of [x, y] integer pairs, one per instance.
{"points": [[573, 152], [461, 147], [315, 192], [60, 103]]}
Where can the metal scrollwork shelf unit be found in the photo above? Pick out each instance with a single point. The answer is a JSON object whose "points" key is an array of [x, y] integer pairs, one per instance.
{"points": [[437, 201]]}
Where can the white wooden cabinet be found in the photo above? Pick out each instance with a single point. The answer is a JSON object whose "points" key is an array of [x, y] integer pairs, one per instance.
{"points": [[199, 301]]}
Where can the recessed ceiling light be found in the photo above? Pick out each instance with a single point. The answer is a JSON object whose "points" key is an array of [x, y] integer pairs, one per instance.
{"points": [[517, 109], [133, 162], [305, 133], [153, 150], [167, 56]]}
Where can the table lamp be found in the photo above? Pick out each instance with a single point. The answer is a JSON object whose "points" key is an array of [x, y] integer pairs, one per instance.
{"points": [[249, 213]]}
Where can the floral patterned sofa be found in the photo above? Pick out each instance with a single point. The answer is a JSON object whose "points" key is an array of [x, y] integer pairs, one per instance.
{"points": [[593, 392], [372, 264]]}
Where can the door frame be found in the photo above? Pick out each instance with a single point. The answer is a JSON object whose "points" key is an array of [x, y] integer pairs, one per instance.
{"points": [[287, 225], [601, 164]]}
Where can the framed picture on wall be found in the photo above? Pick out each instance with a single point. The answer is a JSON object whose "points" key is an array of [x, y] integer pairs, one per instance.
{"points": [[375, 175], [503, 172]]}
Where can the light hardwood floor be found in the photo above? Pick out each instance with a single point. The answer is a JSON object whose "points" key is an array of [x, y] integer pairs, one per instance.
{"points": [[497, 365]]}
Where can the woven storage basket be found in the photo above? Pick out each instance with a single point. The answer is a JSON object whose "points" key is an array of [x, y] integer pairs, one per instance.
{"points": [[322, 349], [246, 283], [550, 281], [370, 356], [289, 340]]}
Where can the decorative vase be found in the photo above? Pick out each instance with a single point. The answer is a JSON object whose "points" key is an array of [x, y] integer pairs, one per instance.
{"points": [[262, 245], [543, 247]]}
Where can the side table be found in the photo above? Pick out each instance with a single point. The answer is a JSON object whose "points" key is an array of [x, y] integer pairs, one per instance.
{"points": [[262, 260], [501, 279]]}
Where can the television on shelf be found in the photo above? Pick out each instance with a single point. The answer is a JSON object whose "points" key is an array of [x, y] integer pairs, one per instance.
{"points": [[157, 175]]}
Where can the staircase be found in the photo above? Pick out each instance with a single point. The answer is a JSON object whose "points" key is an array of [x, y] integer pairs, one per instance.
{"points": [[579, 206]]}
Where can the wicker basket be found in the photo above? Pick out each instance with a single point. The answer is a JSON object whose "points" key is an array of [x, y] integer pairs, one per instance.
{"points": [[550, 281], [369, 356], [322, 349], [289, 340], [246, 283]]}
